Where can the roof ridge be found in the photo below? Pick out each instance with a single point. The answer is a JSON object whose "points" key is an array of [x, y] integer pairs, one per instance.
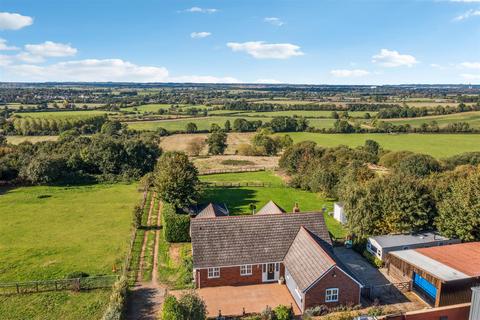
{"points": [[309, 233], [271, 216]]}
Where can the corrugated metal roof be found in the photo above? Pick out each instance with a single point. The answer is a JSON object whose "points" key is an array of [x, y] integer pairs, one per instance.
{"points": [[395, 240], [433, 267], [464, 257]]}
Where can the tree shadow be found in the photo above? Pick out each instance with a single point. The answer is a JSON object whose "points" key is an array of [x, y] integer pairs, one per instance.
{"points": [[236, 199], [141, 303]]}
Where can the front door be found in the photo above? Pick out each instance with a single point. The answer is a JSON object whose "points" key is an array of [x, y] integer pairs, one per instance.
{"points": [[270, 271]]}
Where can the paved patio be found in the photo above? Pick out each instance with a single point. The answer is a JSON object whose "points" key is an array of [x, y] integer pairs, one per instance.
{"points": [[231, 301]]}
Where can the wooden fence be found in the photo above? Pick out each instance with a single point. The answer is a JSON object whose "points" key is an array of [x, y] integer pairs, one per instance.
{"points": [[75, 284], [226, 184], [386, 292], [235, 170]]}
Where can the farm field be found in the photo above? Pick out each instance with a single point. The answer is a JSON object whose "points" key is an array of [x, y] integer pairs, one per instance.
{"points": [[255, 177], [158, 106], [437, 145], [203, 123], [309, 113], [62, 114], [63, 305], [63, 230], [472, 118], [32, 139]]}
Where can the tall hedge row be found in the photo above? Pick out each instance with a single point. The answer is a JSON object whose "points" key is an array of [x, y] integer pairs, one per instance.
{"points": [[176, 227]]}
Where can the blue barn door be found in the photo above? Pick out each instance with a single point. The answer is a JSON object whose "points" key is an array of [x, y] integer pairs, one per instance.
{"points": [[426, 287]]}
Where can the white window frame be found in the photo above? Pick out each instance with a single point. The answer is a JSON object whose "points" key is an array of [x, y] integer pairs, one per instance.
{"points": [[246, 270], [213, 273], [331, 295]]}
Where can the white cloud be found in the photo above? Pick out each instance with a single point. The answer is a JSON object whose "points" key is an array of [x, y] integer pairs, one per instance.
{"points": [[199, 35], [201, 10], [345, 73], [268, 81], [5, 60], [27, 57], [392, 58], [262, 50], [89, 70], [274, 21], [51, 49], [470, 65], [467, 15], [469, 76], [4, 46], [14, 21]]}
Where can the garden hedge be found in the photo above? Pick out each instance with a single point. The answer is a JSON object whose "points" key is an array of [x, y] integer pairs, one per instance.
{"points": [[176, 226]]}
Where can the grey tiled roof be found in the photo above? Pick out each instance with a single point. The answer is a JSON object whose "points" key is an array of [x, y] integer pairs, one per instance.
{"points": [[307, 259], [250, 239], [213, 210], [271, 208]]}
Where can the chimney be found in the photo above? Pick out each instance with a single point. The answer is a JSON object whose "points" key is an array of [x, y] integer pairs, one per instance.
{"points": [[296, 209]]}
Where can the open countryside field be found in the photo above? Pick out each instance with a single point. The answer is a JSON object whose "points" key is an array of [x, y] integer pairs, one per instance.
{"points": [[472, 118], [244, 177], [61, 114], [49, 232], [64, 229], [309, 113], [159, 106], [437, 145]]}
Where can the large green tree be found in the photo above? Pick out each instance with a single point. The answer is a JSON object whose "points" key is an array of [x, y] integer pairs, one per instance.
{"points": [[459, 212], [176, 179], [217, 142]]}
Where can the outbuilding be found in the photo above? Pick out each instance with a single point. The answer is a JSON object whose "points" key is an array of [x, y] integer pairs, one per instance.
{"points": [[441, 275], [339, 212], [380, 246]]}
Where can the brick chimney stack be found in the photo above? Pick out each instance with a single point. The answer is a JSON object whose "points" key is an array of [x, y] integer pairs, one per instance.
{"points": [[296, 209]]}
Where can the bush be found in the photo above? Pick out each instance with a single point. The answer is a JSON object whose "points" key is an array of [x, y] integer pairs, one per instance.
{"points": [[283, 313], [77, 274], [192, 306], [317, 311], [116, 306], [372, 259], [267, 314], [171, 309], [176, 227]]}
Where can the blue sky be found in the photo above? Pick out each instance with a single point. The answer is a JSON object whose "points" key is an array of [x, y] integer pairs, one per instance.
{"points": [[288, 41]]}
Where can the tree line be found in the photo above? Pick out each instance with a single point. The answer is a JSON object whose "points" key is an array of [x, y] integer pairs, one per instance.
{"points": [[413, 192]]}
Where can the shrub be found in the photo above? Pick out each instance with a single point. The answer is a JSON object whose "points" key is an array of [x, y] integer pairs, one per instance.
{"points": [[192, 306], [372, 259], [77, 274], [375, 311], [317, 311], [267, 314], [171, 309], [116, 306], [176, 227], [283, 312]]}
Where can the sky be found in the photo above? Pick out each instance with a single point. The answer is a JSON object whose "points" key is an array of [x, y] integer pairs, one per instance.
{"points": [[246, 41]]}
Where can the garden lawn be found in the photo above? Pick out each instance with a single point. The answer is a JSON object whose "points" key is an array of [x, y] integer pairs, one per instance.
{"points": [[49, 232], [63, 305], [244, 177], [238, 201], [437, 145]]}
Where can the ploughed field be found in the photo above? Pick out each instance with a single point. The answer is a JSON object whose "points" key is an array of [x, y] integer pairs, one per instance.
{"points": [[50, 232]]}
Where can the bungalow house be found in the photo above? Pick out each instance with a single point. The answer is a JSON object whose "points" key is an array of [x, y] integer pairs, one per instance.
{"points": [[380, 246], [263, 248]]}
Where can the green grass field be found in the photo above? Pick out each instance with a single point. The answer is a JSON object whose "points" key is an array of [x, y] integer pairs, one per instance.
{"points": [[63, 305], [472, 118], [32, 139], [239, 199], [308, 113], [437, 145], [61, 114], [49, 232], [158, 106], [256, 177]]}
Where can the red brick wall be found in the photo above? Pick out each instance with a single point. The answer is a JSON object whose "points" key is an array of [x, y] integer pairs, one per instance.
{"points": [[349, 290], [230, 276], [458, 312]]}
